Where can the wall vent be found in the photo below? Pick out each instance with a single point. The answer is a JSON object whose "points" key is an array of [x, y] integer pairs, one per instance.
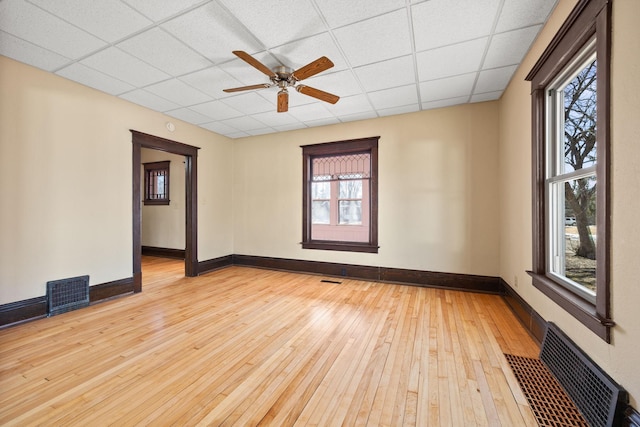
{"points": [[600, 399], [67, 294]]}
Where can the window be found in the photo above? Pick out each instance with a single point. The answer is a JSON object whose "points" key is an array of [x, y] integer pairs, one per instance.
{"points": [[570, 137], [156, 183], [340, 193]]}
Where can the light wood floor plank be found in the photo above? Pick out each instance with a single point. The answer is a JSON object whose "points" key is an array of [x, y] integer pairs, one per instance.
{"points": [[247, 347]]}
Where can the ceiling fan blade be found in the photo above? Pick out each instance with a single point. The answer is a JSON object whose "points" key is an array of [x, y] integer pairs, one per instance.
{"points": [[254, 62], [252, 87], [283, 101], [317, 93], [313, 68]]}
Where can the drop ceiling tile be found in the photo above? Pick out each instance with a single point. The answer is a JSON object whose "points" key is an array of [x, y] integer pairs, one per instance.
{"points": [[293, 126], [36, 26], [189, 116], [212, 81], [95, 79], [493, 80], [340, 12], [358, 116], [273, 118], [244, 123], [351, 105], [509, 48], [451, 60], [387, 74], [322, 122], [219, 127], [250, 103], [165, 52], [159, 10], [342, 83], [394, 97], [376, 39], [216, 110], [116, 63], [176, 91], [522, 13], [399, 110], [279, 22], [315, 111], [299, 53], [450, 87], [213, 32], [445, 103], [23, 51], [149, 100], [110, 20], [263, 131], [489, 96], [439, 23], [236, 135]]}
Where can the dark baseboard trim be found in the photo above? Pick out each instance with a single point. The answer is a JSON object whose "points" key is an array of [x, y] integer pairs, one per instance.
{"points": [[214, 264], [110, 289], [18, 312], [464, 282], [530, 319], [22, 311], [163, 252], [632, 417]]}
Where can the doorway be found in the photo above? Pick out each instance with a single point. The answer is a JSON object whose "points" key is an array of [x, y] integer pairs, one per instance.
{"points": [[142, 140]]}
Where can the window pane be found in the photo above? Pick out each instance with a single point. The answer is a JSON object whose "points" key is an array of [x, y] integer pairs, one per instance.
{"points": [[321, 190], [351, 189], [320, 212], [580, 120], [350, 212], [574, 251]]}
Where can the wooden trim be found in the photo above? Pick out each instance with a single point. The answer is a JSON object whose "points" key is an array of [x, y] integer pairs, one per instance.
{"points": [[163, 252], [190, 152], [17, 312], [111, 289], [530, 319], [631, 417], [215, 264], [22, 311], [464, 282]]}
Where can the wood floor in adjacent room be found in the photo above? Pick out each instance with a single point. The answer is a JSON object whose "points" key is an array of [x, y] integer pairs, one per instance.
{"points": [[247, 347]]}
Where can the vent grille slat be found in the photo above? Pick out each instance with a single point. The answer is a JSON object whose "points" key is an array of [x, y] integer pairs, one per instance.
{"points": [[67, 294]]}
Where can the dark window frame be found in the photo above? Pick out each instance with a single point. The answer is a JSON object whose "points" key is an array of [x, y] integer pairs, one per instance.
{"points": [[149, 171], [338, 148], [588, 20]]}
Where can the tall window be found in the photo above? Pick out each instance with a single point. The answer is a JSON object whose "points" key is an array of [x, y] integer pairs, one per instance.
{"points": [[156, 183], [340, 195], [570, 100]]}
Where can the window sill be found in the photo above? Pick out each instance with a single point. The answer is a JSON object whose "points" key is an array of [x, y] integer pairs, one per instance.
{"points": [[341, 246], [155, 202], [582, 310]]}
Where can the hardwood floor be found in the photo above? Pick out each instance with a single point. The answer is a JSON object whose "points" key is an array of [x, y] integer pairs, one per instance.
{"points": [[243, 346]]}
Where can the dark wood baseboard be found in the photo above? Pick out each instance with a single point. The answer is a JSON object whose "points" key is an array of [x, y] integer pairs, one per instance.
{"points": [[17, 312], [163, 252], [530, 319], [21, 311], [465, 282], [214, 264], [110, 289]]}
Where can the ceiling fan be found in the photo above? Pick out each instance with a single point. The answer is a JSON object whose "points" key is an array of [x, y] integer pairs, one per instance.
{"points": [[286, 78]]}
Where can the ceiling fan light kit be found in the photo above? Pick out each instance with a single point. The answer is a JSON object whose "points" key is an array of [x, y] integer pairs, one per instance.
{"points": [[284, 78]]}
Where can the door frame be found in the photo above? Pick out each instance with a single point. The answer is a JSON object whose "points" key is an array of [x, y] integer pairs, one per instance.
{"points": [[142, 140]]}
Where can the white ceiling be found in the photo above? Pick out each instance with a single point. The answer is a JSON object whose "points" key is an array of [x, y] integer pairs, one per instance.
{"points": [[174, 56]]}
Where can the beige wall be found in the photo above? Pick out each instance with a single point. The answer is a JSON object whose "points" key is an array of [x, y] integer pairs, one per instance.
{"points": [[620, 359], [163, 226], [65, 181], [438, 199]]}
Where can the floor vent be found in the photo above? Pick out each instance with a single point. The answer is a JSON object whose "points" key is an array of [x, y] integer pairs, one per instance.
{"points": [[548, 401], [67, 294], [600, 399]]}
